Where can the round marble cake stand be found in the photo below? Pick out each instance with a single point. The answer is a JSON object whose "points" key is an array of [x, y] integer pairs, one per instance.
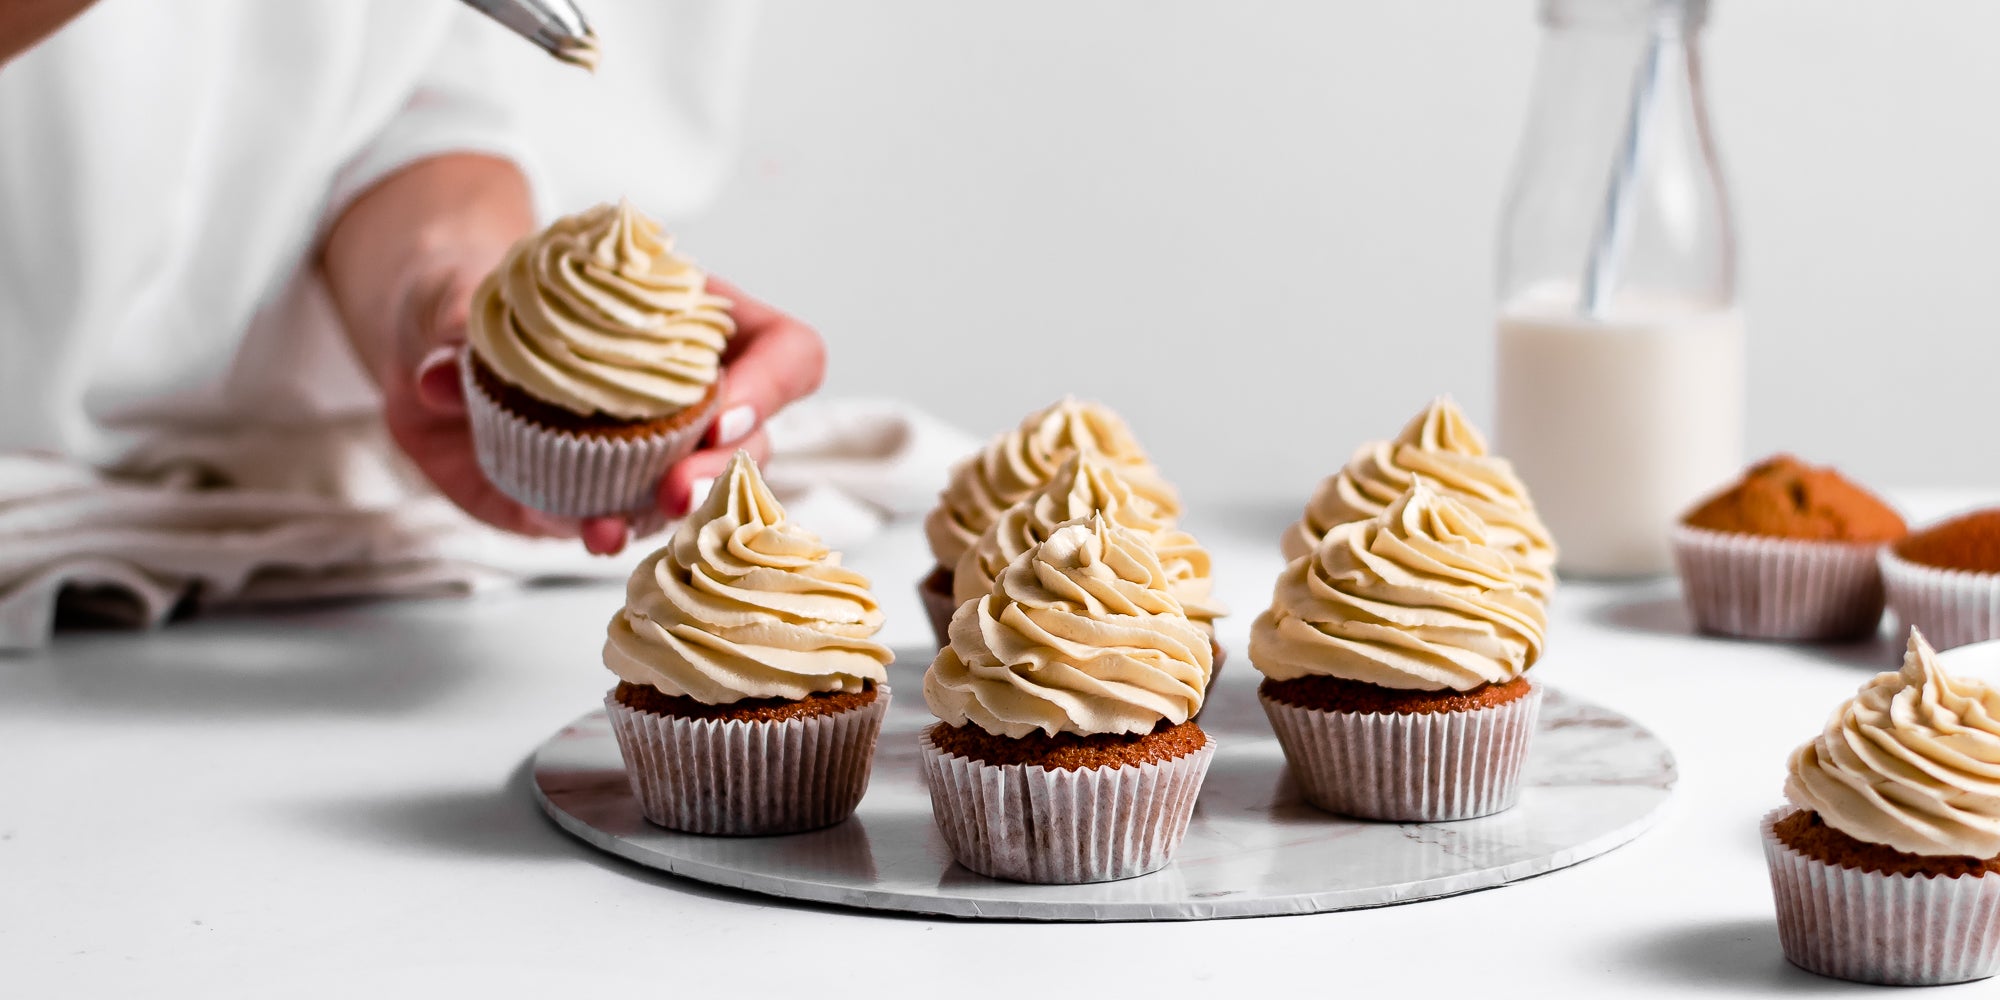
{"points": [[1595, 780]]}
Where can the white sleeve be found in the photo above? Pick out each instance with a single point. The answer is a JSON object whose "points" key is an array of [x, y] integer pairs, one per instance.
{"points": [[458, 104]]}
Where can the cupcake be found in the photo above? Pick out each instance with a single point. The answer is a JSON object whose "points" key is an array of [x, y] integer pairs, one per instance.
{"points": [[592, 361], [750, 690], [1945, 579], [1087, 484], [1393, 659], [1886, 865], [1788, 552], [1015, 465], [1443, 447], [1066, 754]]}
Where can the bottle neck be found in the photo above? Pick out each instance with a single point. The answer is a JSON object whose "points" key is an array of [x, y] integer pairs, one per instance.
{"points": [[1685, 17]]}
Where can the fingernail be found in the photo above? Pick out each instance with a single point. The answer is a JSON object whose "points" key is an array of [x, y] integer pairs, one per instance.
{"points": [[437, 358], [735, 424]]}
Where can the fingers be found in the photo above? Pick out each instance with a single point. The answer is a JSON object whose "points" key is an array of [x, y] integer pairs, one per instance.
{"points": [[773, 360], [438, 387], [687, 483], [442, 448], [604, 536]]}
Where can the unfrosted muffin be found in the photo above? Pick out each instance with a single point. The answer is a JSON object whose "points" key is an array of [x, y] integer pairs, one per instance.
{"points": [[1886, 865], [1442, 447], [1066, 752], [1789, 551], [1011, 468], [1945, 579], [751, 688], [592, 364], [1394, 658]]}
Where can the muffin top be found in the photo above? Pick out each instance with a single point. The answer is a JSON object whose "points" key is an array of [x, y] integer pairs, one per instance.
{"points": [[1911, 762], [1969, 542], [598, 315], [1443, 447], [1418, 598], [1081, 634], [1087, 484], [1783, 497], [1018, 462], [742, 603]]}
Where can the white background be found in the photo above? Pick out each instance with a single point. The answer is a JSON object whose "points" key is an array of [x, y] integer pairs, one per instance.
{"points": [[1263, 230]]}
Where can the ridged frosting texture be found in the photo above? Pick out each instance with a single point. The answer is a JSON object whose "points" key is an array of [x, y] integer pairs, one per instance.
{"points": [[1416, 598], [598, 314], [1088, 484], [1081, 634], [1443, 447], [1018, 462], [742, 603], [1911, 762]]}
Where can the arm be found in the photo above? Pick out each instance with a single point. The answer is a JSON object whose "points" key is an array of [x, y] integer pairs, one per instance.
{"points": [[24, 23]]}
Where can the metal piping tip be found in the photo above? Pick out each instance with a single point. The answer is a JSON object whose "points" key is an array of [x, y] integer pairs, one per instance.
{"points": [[556, 26]]}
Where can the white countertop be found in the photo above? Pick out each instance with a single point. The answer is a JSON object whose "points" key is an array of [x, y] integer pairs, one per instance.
{"points": [[332, 803]]}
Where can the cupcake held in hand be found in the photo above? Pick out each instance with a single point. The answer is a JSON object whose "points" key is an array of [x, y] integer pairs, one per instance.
{"points": [[1066, 753], [1441, 446], [593, 356], [1789, 552], [1010, 469], [1394, 658], [751, 690], [1886, 865], [1945, 579]]}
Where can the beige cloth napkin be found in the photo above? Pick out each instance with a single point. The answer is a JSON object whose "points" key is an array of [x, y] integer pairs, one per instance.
{"points": [[270, 516]]}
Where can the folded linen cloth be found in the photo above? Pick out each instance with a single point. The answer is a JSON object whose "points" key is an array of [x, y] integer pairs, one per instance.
{"points": [[273, 515]]}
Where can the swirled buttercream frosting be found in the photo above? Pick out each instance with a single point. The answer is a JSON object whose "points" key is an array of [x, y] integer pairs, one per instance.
{"points": [[1419, 597], [1020, 461], [1080, 634], [1443, 447], [743, 603], [598, 315], [1911, 762]]}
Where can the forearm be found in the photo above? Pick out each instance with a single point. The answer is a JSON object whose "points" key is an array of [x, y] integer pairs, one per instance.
{"points": [[24, 23], [405, 252]]}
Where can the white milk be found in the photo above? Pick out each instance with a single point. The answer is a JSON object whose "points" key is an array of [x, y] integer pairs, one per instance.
{"points": [[1619, 425]]}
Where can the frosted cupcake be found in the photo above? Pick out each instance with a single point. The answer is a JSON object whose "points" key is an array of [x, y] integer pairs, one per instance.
{"points": [[1066, 753], [1886, 866], [1788, 552], [1086, 484], [1011, 468], [1394, 659], [751, 691], [592, 364], [1443, 447]]}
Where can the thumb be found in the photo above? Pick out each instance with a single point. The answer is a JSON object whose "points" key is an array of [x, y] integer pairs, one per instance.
{"points": [[443, 334]]}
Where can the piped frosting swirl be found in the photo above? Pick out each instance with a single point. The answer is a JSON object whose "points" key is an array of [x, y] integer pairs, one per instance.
{"points": [[1443, 447], [1081, 634], [743, 603], [1020, 461], [1416, 598], [1912, 762], [598, 315]]}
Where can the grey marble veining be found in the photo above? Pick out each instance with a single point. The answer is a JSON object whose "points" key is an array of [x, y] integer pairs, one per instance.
{"points": [[1595, 780]]}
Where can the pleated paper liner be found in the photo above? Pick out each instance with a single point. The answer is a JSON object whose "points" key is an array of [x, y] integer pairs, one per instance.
{"points": [[935, 591], [1759, 587], [1952, 607], [569, 474], [1051, 826], [1875, 927], [748, 778], [1420, 768]]}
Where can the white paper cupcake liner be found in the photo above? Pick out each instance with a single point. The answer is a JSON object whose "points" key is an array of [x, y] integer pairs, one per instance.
{"points": [[747, 778], [1872, 927], [1758, 587], [1953, 607], [1419, 768], [1056, 827], [572, 475]]}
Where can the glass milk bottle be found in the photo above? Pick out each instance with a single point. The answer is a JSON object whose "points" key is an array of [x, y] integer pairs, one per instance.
{"points": [[1621, 353]]}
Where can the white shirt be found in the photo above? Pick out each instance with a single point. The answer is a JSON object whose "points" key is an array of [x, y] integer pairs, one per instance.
{"points": [[166, 171]]}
